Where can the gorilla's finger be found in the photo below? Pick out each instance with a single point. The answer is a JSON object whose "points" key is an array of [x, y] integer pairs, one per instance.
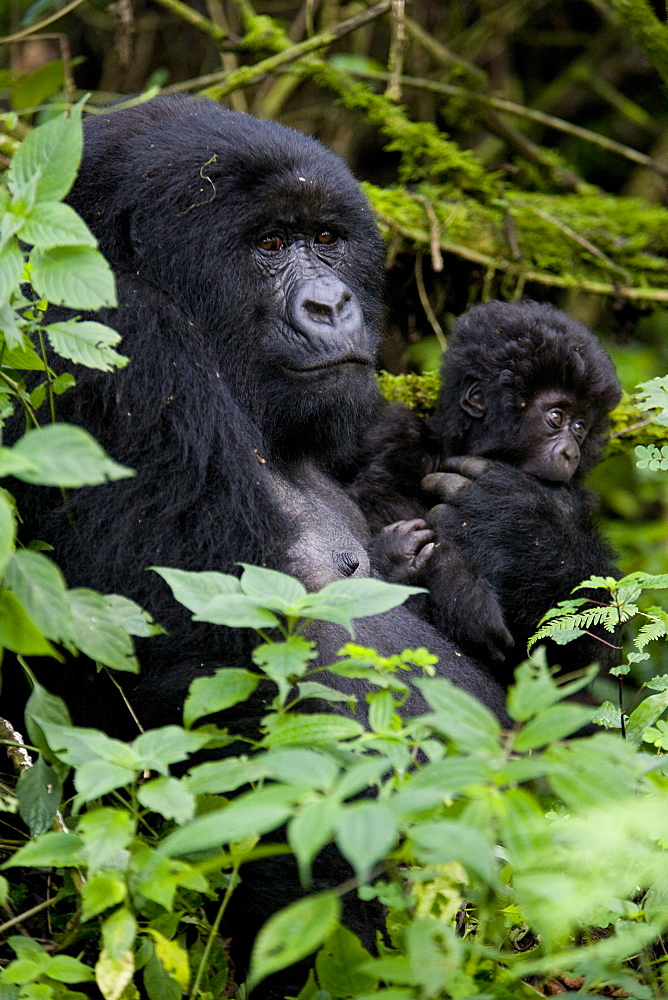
{"points": [[405, 527], [444, 484], [423, 556], [467, 465]]}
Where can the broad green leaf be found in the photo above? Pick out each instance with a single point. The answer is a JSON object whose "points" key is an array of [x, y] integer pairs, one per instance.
{"points": [[65, 969], [293, 933], [553, 724], [39, 585], [78, 746], [310, 830], [11, 268], [105, 832], [101, 891], [361, 775], [98, 777], [169, 797], [535, 688], [236, 611], [78, 277], [18, 631], [196, 590], [442, 841], [113, 974], [343, 600], [38, 791], [217, 776], [9, 328], [52, 153], [7, 532], [366, 832], [270, 589], [461, 717], [382, 709], [132, 617], [35, 88], [157, 877], [647, 712], [309, 729], [322, 692], [43, 705], [86, 343], [227, 687], [337, 965], [51, 224], [156, 749], [284, 662], [118, 933], [63, 455], [23, 355], [97, 633], [299, 766], [524, 829], [157, 983], [252, 814], [173, 958], [51, 850]]}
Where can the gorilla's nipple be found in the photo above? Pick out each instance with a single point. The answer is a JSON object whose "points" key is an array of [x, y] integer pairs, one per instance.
{"points": [[347, 562]]}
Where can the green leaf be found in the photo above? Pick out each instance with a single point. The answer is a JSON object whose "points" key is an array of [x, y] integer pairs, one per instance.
{"points": [[105, 832], [11, 268], [293, 933], [337, 965], [50, 224], [9, 328], [553, 724], [173, 958], [157, 877], [38, 791], [78, 746], [51, 850], [647, 712], [366, 832], [299, 766], [236, 611], [86, 343], [7, 531], [197, 590], [43, 705], [461, 717], [118, 933], [343, 600], [227, 687], [78, 277], [52, 153], [169, 797], [97, 633], [284, 662], [35, 88], [98, 777], [227, 775], [156, 749], [101, 891], [309, 729], [18, 632], [132, 617], [535, 689], [442, 841], [63, 455], [114, 974], [252, 814], [310, 830], [158, 985], [270, 589], [40, 587], [65, 969]]}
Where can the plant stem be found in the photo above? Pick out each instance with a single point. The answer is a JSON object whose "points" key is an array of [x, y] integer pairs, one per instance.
{"points": [[204, 961]]}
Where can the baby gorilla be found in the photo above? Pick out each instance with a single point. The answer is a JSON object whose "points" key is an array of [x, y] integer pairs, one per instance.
{"points": [[521, 419]]}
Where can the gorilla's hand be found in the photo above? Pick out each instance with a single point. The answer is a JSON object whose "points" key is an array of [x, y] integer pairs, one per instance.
{"points": [[457, 475], [400, 552]]}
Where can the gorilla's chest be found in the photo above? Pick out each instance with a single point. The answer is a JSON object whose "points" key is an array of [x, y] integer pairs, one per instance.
{"points": [[329, 536]]}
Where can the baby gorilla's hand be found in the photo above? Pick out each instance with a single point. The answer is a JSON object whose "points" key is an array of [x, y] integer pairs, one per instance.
{"points": [[402, 550], [459, 471]]}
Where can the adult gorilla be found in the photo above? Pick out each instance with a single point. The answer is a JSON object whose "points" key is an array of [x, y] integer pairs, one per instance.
{"points": [[249, 276]]}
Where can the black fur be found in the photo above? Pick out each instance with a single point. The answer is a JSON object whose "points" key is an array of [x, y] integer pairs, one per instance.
{"points": [[511, 545], [232, 428]]}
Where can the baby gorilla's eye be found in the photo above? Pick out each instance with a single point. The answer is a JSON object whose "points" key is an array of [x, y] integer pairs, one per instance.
{"points": [[271, 243], [579, 428], [555, 418], [325, 236]]}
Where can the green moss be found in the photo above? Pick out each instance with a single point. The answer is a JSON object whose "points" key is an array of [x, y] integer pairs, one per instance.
{"points": [[420, 392]]}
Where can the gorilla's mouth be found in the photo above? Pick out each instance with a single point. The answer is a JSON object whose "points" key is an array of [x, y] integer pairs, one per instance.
{"points": [[348, 359]]}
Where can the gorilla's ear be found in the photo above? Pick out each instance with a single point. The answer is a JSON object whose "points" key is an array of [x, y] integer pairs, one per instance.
{"points": [[472, 398]]}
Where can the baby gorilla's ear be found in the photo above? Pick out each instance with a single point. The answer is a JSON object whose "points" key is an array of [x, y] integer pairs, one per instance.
{"points": [[472, 398]]}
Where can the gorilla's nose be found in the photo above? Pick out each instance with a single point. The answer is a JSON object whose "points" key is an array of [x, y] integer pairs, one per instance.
{"points": [[323, 302]]}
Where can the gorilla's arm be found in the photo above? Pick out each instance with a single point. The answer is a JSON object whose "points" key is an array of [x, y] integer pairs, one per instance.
{"points": [[532, 541]]}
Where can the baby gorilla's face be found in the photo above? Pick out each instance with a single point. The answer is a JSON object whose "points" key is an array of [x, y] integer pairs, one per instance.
{"points": [[554, 426]]}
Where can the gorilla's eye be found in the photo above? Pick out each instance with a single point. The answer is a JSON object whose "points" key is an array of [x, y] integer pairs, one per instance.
{"points": [[555, 418], [271, 243], [579, 428], [325, 236]]}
